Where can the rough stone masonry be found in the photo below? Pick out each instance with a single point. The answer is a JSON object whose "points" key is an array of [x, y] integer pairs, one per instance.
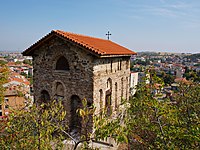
{"points": [[72, 67]]}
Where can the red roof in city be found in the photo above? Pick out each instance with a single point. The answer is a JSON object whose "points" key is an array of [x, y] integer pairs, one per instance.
{"points": [[14, 76], [98, 46], [11, 64], [25, 81], [181, 80]]}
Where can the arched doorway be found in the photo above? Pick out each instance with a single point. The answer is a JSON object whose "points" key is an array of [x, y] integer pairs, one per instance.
{"points": [[44, 97], [108, 100], [75, 124]]}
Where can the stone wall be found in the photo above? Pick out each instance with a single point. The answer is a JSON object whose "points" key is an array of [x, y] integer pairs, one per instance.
{"points": [[76, 81], [116, 71], [88, 76]]}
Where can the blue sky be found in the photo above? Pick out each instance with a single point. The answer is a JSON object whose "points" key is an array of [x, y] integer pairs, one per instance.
{"points": [[140, 25]]}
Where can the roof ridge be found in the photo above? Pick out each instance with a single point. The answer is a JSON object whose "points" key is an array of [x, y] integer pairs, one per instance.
{"points": [[101, 47], [88, 37], [80, 35], [81, 42]]}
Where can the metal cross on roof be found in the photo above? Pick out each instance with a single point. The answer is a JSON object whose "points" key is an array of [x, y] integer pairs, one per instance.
{"points": [[108, 34]]}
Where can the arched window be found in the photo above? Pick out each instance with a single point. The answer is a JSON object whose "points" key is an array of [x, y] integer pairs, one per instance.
{"points": [[76, 120], [109, 84], [62, 64], [122, 87], [115, 95], [44, 97], [108, 103], [120, 65], [108, 100], [127, 64], [111, 65], [101, 99], [127, 86], [59, 91]]}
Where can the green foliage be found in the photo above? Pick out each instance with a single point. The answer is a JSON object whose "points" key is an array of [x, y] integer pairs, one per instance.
{"points": [[23, 74], [104, 126], [3, 79], [113, 126], [163, 124], [18, 62], [197, 65], [142, 122], [192, 75], [2, 62], [146, 123], [86, 113], [31, 80], [36, 128], [187, 106], [167, 78], [29, 62], [20, 94], [155, 79], [187, 70]]}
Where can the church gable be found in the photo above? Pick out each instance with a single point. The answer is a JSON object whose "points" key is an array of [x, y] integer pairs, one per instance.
{"points": [[56, 54], [96, 46]]}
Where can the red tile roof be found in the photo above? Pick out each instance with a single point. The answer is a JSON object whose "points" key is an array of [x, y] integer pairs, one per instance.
{"points": [[98, 46], [181, 80], [24, 81], [11, 64]]}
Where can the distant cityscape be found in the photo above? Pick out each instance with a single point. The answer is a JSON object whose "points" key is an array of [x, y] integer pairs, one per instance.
{"points": [[18, 93], [172, 68]]}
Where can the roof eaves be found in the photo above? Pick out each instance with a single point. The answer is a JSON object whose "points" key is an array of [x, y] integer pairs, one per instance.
{"points": [[116, 55], [27, 52]]}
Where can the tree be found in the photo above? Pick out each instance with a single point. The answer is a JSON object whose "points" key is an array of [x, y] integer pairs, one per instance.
{"points": [[3, 79], [39, 127], [192, 75], [24, 74], [146, 123], [18, 62], [27, 61], [163, 124], [2, 62], [187, 70], [104, 126], [142, 122], [187, 132], [168, 79]]}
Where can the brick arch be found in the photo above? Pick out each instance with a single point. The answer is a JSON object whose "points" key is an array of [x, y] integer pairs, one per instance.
{"points": [[59, 89], [109, 84]]}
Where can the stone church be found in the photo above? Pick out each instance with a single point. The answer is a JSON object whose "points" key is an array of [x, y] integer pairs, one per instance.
{"points": [[72, 67]]}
